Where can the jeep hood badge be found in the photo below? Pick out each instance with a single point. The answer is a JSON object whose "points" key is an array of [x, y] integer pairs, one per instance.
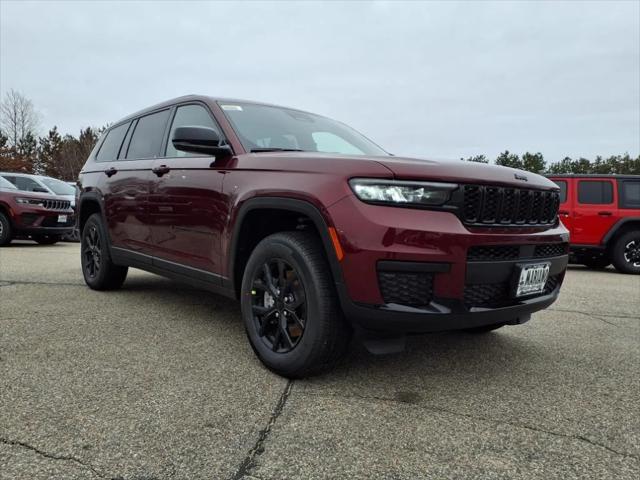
{"points": [[520, 177]]}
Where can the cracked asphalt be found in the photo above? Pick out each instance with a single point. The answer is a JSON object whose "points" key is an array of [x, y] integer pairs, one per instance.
{"points": [[157, 381]]}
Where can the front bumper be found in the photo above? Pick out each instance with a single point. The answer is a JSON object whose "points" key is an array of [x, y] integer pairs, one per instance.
{"points": [[32, 221], [435, 247]]}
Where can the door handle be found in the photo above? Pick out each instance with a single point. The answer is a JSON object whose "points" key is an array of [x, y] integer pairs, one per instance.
{"points": [[605, 214], [110, 172], [161, 170]]}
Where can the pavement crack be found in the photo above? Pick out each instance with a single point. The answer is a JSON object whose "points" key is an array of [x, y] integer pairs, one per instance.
{"points": [[248, 463], [437, 409], [592, 315], [6, 283], [51, 456]]}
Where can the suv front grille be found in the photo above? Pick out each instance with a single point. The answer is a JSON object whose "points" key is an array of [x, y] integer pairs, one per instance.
{"points": [[411, 289], [487, 253], [57, 204], [496, 295], [498, 206]]}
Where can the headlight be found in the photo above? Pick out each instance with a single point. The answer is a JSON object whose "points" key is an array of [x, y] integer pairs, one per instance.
{"points": [[30, 201], [401, 192]]}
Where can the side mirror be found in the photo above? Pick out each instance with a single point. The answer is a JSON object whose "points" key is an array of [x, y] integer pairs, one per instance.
{"points": [[40, 190], [199, 140]]}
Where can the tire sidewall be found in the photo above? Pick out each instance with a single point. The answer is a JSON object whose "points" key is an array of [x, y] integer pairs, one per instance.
{"points": [[5, 236], [620, 262], [94, 220], [289, 361]]}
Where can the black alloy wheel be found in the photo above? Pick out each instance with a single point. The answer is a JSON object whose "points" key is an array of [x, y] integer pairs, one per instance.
{"points": [[279, 305], [92, 251]]}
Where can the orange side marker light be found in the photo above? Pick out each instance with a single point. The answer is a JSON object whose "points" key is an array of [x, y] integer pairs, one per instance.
{"points": [[336, 243]]}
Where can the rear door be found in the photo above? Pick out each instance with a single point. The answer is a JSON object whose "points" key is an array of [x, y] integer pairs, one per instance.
{"points": [[128, 153], [186, 208], [595, 210]]}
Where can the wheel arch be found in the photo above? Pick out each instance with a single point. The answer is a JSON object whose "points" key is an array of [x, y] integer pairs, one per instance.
{"points": [[250, 208], [619, 228]]}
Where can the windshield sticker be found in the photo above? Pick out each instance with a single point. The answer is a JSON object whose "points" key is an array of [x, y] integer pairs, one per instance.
{"points": [[236, 108]]}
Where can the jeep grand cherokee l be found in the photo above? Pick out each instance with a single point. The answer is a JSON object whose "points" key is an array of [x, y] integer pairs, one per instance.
{"points": [[316, 230], [42, 217]]}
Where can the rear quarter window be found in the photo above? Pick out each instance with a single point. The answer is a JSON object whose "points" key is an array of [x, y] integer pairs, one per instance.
{"points": [[630, 194]]}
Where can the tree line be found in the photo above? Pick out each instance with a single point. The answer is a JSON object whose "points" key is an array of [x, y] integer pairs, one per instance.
{"points": [[535, 162], [62, 156]]}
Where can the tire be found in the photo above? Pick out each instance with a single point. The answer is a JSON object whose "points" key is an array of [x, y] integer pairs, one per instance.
{"points": [[99, 272], [484, 328], [5, 230], [295, 325], [46, 239], [625, 253]]}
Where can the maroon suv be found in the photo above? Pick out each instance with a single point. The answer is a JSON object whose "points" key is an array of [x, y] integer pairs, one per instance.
{"points": [[41, 217], [315, 229]]}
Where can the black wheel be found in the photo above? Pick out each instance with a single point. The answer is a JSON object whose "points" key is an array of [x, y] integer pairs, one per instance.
{"points": [[100, 273], [46, 239], [290, 307], [5, 230], [596, 263], [485, 328], [625, 253]]}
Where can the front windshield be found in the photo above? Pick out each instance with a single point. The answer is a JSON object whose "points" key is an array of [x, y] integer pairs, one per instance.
{"points": [[6, 184], [59, 187], [265, 128]]}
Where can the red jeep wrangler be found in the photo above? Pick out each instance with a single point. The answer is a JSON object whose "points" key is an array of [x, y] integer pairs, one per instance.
{"points": [[602, 212], [316, 229]]}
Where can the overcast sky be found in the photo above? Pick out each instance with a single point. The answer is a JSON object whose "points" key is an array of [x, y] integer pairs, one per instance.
{"points": [[441, 80]]}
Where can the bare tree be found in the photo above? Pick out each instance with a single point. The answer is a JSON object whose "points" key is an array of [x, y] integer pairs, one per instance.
{"points": [[18, 118]]}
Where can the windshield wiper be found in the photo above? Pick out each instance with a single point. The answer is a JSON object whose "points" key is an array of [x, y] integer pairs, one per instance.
{"points": [[275, 149]]}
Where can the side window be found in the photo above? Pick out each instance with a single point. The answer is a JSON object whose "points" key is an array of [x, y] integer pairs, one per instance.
{"points": [[146, 140], [630, 194], [28, 185], [111, 144], [595, 192], [563, 190], [189, 116]]}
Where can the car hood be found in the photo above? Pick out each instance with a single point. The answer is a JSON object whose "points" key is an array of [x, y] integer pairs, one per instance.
{"points": [[463, 172]]}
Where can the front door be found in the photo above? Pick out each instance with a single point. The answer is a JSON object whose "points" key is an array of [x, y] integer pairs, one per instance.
{"points": [[186, 208]]}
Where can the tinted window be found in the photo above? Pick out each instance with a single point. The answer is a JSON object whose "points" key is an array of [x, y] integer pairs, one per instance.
{"points": [[111, 145], [146, 141], [189, 116], [630, 194], [563, 190], [594, 192]]}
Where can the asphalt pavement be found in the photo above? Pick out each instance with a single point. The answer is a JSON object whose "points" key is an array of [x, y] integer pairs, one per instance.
{"points": [[157, 381]]}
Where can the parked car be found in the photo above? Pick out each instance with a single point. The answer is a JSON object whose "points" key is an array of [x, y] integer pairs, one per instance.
{"points": [[42, 184], [602, 213], [41, 217], [315, 229]]}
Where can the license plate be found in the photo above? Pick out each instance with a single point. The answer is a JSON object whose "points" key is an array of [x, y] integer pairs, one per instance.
{"points": [[532, 279], [62, 219]]}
